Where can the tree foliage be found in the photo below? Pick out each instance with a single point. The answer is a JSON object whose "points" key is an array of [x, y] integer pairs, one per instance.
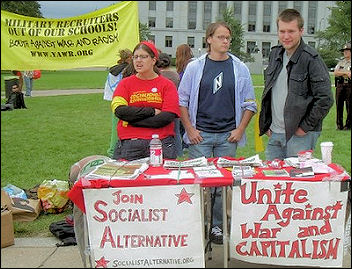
{"points": [[26, 8], [237, 41], [144, 32], [338, 33]]}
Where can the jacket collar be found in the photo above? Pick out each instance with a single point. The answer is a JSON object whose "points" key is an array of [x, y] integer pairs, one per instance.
{"points": [[295, 55]]}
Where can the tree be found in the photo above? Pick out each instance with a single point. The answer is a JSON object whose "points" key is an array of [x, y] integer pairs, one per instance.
{"points": [[26, 8], [144, 32], [337, 34], [237, 41]]}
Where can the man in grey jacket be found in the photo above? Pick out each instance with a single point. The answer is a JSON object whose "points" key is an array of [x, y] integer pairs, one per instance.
{"points": [[297, 94]]}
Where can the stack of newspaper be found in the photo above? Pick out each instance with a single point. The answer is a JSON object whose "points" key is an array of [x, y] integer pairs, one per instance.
{"points": [[254, 161], [119, 170], [170, 164]]}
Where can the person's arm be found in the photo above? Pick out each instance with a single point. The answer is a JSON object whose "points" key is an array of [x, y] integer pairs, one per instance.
{"points": [[323, 100], [133, 113], [237, 133], [160, 120], [192, 133], [20, 81], [341, 73]]}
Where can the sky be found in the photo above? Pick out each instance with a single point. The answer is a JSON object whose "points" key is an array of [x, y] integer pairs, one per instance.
{"points": [[65, 9]]}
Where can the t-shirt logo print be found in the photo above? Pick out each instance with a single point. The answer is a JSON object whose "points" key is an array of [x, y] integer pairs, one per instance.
{"points": [[217, 83]]}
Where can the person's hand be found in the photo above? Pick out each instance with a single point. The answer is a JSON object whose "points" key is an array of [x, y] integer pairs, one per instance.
{"points": [[300, 132], [194, 135], [235, 136], [157, 111], [268, 133]]}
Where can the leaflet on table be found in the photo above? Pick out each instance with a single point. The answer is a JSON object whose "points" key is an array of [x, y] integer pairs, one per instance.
{"points": [[207, 171], [171, 164], [118, 170], [243, 171], [174, 174], [302, 172], [276, 173], [318, 166], [251, 161]]}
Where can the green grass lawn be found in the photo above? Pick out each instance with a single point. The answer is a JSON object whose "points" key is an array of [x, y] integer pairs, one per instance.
{"points": [[53, 80], [43, 141]]}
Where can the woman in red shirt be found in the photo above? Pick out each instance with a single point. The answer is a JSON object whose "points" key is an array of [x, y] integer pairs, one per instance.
{"points": [[146, 104]]}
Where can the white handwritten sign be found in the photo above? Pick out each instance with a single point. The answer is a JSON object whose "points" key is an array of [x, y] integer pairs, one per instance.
{"points": [[157, 226], [288, 223]]}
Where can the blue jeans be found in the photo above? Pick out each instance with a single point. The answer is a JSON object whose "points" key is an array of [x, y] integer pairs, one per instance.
{"points": [[29, 83], [277, 147], [178, 138], [214, 145]]}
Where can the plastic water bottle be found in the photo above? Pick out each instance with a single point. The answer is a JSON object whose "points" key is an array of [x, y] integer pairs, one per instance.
{"points": [[156, 151]]}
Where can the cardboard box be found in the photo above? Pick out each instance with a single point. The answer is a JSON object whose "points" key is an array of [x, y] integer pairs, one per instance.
{"points": [[7, 231]]}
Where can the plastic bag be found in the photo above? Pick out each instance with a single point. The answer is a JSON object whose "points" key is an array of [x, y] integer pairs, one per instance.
{"points": [[14, 192], [53, 195]]}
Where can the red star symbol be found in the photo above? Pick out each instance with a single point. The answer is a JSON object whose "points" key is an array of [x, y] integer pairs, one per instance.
{"points": [[277, 186], [308, 206], [184, 196], [102, 263], [338, 205]]}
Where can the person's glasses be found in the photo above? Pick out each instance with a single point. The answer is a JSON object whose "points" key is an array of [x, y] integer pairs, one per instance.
{"points": [[142, 57], [222, 37]]}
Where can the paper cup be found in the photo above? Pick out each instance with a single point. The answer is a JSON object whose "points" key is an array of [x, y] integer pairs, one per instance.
{"points": [[326, 152]]}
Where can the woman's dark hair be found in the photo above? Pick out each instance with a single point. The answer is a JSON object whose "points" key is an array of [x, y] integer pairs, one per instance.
{"points": [[164, 60], [183, 56]]}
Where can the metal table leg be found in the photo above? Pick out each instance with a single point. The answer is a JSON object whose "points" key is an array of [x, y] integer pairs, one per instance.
{"points": [[224, 226]]}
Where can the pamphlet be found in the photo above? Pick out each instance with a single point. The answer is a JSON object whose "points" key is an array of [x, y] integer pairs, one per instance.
{"points": [[174, 174], [251, 161], [207, 171], [302, 172], [276, 173], [171, 164], [242, 171]]}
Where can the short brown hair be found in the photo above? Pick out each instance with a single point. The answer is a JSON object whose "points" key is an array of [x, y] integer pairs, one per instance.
{"points": [[289, 15], [212, 28], [125, 56]]}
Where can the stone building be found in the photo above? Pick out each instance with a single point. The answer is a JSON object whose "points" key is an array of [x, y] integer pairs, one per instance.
{"points": [[172, 23]]}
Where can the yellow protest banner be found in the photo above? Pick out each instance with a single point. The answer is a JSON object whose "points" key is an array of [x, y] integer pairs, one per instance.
{"points": [[89, 40]]}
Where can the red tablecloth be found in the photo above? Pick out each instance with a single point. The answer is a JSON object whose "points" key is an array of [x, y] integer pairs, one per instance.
{"points": [[76, 194]]}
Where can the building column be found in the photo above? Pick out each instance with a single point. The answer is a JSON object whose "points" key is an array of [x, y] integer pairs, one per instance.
{"points": [[214, 10], [274, 15], [244, 12], [230, 5], [259, 26], [305, 15], [200, 14]]}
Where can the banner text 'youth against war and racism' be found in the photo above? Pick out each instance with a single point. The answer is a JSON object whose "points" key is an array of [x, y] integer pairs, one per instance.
{"points": [[89, 40]]}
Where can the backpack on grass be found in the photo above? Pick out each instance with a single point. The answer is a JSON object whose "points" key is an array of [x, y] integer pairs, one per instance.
{"points": [[64, 230]]}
